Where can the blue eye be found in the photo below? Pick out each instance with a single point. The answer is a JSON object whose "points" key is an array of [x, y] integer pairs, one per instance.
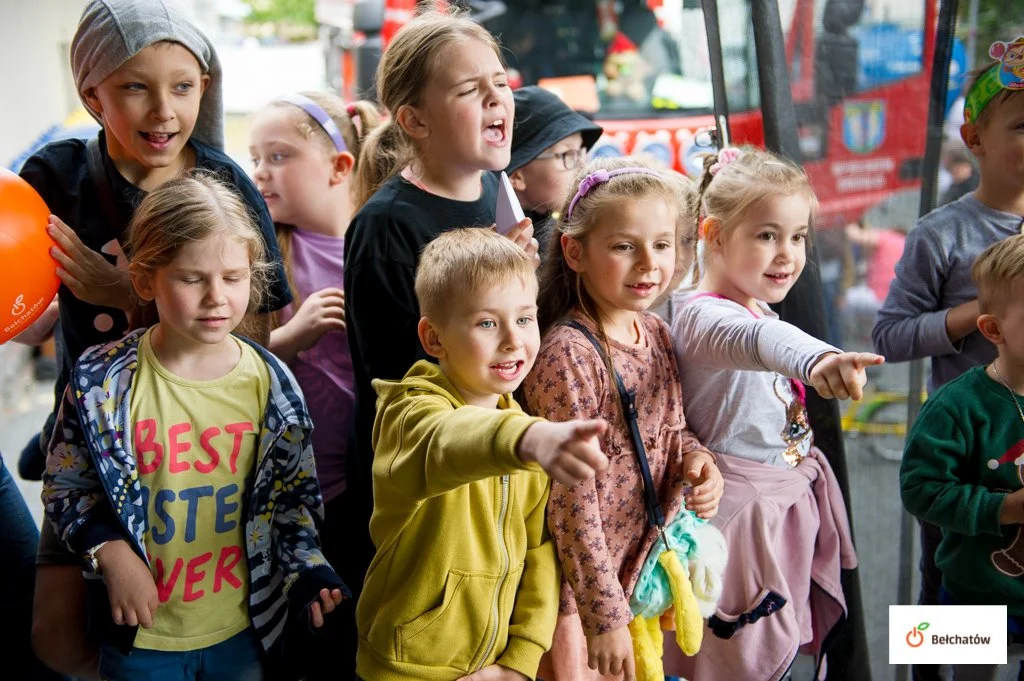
{"points": [[524, 321], [487, 324], [184, 87]]}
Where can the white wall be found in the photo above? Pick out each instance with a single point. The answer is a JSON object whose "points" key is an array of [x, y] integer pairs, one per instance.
{"points": [[35, 77]]}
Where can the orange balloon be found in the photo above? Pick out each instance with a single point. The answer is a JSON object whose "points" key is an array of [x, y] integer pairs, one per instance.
{"points": [[28, 273]]}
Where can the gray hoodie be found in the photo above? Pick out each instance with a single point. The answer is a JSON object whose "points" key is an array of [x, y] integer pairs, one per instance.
{"points": [[110, 32]]}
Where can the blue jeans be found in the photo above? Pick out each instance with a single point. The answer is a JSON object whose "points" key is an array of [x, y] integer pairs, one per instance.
{"points": [[237, 659], [18, 540]]}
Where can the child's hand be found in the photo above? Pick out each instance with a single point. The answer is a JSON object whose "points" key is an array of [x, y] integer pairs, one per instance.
{"points": [[707, 483], [612, 653], [320, 313], [569, 452], [330, 600], [841, 375], [522, 235], [495, 672], [1012, 510], [88, 274], [133, 595]]}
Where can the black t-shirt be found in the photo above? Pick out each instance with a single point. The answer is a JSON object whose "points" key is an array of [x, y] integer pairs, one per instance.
{"points": [[382, 247], [60, 173]]}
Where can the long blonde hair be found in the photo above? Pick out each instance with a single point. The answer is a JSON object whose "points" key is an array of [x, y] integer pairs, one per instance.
{"points": [[191, 208], [354, 127], [408, 65]]}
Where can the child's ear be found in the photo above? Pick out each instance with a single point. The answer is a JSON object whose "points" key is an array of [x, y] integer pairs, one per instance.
{"points": [[969, 134], [712, 227], [410, 120], [93, 101], [572, 249], [989, 327], [204, 82], [343, 165], [429, 338], [517, 179], [143, 284]]}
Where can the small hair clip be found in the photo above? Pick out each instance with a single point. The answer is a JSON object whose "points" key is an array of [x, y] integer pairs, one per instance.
{"points": [[725, 157], [600, 177], [353, 114]]}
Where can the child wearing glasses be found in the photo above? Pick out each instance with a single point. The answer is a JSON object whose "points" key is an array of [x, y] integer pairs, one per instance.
{"points": [[549, 142]]}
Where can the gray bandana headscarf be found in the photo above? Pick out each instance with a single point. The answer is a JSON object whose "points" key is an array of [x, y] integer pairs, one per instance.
{"points": [[111, 32]]}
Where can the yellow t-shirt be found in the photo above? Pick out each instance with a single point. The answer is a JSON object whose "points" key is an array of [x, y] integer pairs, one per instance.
{"points": [[195, 443]]}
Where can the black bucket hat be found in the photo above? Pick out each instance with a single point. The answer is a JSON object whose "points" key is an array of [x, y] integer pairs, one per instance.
{"points": [[543, 119]]}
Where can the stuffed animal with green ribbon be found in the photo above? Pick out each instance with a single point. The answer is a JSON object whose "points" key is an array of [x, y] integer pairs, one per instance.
{"points": [[682, 572]]}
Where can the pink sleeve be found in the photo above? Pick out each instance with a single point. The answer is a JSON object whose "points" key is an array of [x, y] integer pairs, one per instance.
{"points": [[569, 382]]}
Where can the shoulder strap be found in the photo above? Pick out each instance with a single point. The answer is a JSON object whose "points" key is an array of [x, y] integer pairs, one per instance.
{"points": [[628, 399], [98, 175]]}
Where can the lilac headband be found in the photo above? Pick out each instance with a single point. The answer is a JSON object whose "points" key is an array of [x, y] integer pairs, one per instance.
{"points": [[320, 116], [600, 177]]}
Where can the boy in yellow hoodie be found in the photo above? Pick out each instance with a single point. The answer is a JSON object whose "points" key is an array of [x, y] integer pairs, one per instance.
{"points": [[465, 581]]}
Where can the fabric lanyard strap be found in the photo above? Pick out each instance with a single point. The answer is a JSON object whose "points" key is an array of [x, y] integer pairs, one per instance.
{"points": [[628, 399]]}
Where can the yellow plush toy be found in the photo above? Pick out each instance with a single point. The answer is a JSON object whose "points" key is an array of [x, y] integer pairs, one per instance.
{"points": [[689, 590]]}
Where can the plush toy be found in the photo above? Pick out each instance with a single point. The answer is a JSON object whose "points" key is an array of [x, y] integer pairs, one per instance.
{"points": [[625, 70], [681, 581]]}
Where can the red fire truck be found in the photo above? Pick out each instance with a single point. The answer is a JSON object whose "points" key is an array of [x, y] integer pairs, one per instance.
{"points": [[859, 72]]}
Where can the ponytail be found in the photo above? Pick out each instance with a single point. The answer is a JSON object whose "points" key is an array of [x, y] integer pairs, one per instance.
{"points": [[365, 118], [384, 152]]}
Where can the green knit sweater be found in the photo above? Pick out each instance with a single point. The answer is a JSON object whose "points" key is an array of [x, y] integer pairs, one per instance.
{"points": [[963, 455]]}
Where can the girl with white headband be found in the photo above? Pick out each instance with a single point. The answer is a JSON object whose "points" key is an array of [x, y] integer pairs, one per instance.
{"points": [[304, 150], [605, 355]]}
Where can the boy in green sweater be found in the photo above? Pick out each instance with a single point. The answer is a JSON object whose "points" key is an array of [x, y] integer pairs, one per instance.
{"points": [[963, 467]]}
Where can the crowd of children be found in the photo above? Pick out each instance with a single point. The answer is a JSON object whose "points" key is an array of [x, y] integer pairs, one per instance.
{"points": [[286, 443]]}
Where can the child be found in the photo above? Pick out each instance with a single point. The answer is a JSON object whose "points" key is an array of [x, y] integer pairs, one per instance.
{"points": [[549, 142], [304, 149], [954, 473], [932, 308], [422, 172], [615, 254], [743, 372], [180, 468], [465, 581], [153, 81]]}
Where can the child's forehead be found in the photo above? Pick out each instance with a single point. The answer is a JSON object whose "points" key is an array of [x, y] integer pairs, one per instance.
{"points": [[164, 57], [220, 245], [511, 292]]}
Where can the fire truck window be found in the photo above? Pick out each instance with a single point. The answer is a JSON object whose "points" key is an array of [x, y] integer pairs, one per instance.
{"points": [[888, 34], [634, 54]]}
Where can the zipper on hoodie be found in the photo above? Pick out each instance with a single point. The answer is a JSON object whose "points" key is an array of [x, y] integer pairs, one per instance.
{"points": [[495, 606]]}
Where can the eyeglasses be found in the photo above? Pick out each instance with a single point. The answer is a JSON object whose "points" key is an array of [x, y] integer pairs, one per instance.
{"points": [[571, 160]]}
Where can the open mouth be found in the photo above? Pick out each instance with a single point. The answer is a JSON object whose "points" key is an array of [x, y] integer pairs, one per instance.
{"points": [[269, 196], [508, 371], [780, 278], [643, 289], [160, 140], [495, 132]]}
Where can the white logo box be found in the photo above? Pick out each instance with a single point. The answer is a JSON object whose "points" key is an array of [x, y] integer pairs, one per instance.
{"points": [[947, 634]]}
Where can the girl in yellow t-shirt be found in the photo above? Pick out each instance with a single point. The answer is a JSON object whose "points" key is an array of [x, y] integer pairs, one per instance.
{"points": [[182, 470]]}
